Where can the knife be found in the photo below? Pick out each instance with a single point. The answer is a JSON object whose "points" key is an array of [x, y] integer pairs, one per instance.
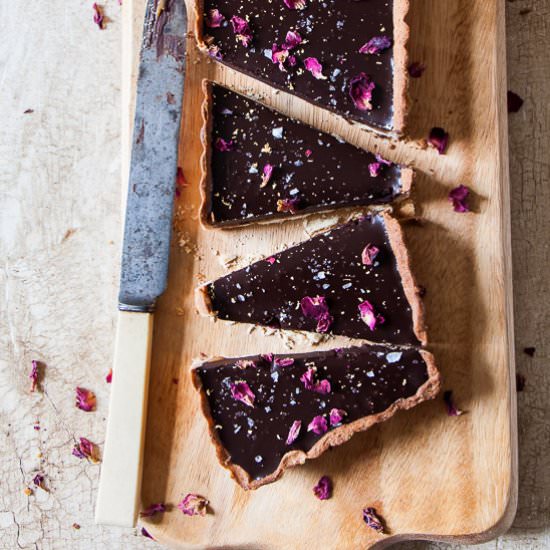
{"points": [[145, 253]]}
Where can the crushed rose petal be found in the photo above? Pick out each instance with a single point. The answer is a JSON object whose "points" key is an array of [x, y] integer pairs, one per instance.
{"points": [[322, 387], [361, 88], [452, 409], [374, 169], [150, 511], [336, 416], [308, 153], [86, 449], [294, 432], [295, 4], [38, 480], [323, 489], [241, 30], [271, 260], [317, 308], [458, 197], [283, 362], [266, 175], [416, 69], [241, 391], [34, 375], [214, 18], [224, 146], [372, 520], [439, 139], [292, 40], [245, 363], [288, 205], [376, 44], [382, 160], [193, 505], [318, 425], [146, 533], [109, 376], [314, 67], [99, 18], [369, 254], [215, 52], [369, 316], [514, 101], [279, 56], [85, 399]]}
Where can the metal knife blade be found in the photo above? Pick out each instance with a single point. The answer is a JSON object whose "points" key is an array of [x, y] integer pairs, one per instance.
{"points": [[153, 165]]}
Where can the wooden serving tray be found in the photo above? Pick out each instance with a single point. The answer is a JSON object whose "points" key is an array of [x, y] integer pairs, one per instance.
{"points": [[429, 475]]}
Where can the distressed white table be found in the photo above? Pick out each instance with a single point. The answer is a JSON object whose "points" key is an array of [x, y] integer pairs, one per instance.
{"points": [[59, 241]]}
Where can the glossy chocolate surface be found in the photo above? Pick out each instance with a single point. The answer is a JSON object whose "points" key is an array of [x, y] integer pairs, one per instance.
{"points": [[364, 381], [269, 292], [332, 31], [314, 168]]}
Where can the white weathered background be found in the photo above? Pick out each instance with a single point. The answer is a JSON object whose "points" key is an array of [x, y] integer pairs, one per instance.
{"points": [[60, 227]]}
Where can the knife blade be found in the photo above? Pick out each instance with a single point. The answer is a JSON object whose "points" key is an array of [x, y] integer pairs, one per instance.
{"points": [[145, 252]]}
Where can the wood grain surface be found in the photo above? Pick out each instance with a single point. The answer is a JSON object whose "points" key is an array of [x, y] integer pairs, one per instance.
{"points": [[429, 475], [60, 232]]}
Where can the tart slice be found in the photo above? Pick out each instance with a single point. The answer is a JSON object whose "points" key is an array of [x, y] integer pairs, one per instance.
{"points": [[267, 413], [261, 165], [353, 281], [343, 55]]}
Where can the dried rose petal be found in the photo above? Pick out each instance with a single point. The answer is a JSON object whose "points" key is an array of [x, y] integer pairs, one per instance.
{"points": [[294, 432], [245, 364], [279, 56], [308, 153], [86, 449], [416, 69], [376, 44], [268, 357], [374, 169], [109, 376], [372, 520], [382, 160], [458, 197], [520, 382], [146, 533], [336, 416], [215, 52], [317, 308], [323, 386], [295, 4], [288, 205], [150, 511], [369, 316], [241, 392], [38, 480], [241, 30], [318, 425], [271, 260], [360, 91], [224, 146], [283, 362], [292, 40], [34, 375], [314, 67], [439, 139], [514, 102], [369, 254], [85, 399], [214, 18], [452, 409], [266, 175], [323, 489], [99, 18], [193, 505]]}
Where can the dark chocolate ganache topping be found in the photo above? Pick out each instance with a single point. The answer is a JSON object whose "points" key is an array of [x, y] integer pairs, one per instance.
{"points": [[329, 31], [321, 285], [310, 170], [362, 381]]}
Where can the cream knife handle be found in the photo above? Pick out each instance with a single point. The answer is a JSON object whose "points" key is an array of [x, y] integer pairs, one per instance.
{"points": [[119, 491]]}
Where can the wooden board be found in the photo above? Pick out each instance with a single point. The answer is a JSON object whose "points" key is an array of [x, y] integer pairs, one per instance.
{"points": [[429, 475]]}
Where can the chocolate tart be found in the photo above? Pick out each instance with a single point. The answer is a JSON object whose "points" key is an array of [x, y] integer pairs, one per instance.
{"points": [[324, 285], [349, 390], [330, 32], [309, 171]]}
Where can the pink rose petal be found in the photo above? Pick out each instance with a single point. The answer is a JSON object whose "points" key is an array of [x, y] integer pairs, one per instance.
{"points": [[241, 392], [376, 45], [322, 387], [295, 4], [336, 416], [323, 489], [374, 169], [271, 260], [86, 449], [439, 139], [266, 175], [458, 196], [146, 533], [224, 146], [292, 40], [215, 52], [369, 316], [109, 376], [279, 56], [241, 30], [214, 19], [288, 205], [317, 308], [314, 67], [85, 399], [294, 432], [361, 88], [372, 520], [99, 18], [34, 375], [369, 254], [193, 505], [150, 511], [318, 425], [283, 362]]}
